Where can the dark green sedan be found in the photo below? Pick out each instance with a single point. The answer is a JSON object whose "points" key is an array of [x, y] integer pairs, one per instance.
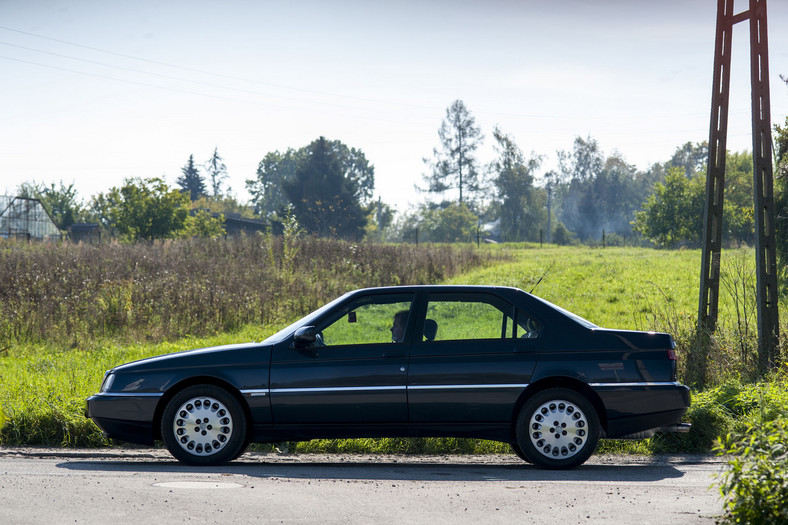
{"points": [[457, 361]]}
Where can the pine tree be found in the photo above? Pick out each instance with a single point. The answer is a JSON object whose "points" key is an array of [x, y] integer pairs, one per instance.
{"points": [[191, 181]]}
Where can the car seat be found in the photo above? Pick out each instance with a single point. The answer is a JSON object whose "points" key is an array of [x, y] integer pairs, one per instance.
{"points": [[430, 329]]}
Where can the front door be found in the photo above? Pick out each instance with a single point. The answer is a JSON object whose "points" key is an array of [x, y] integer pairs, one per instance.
{"points": [[355, 372]]}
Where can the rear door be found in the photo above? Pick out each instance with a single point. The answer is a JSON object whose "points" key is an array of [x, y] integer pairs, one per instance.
{"points": [[475, 357]]}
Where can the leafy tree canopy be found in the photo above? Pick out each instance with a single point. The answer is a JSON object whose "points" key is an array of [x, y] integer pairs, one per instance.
{"points": [[143, 209], [447, 222], [203, 224], [327, 184], [674, 213], [691, 157], [267, 189], [328, 188], [781, 189], [521, 206]]}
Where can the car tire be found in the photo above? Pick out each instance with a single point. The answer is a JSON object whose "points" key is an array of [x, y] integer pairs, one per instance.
{"points": [[204, 425], [558, 429], [517, 450]]}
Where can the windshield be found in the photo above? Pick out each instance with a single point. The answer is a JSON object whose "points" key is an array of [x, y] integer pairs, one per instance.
{"points": [[304, 321]]}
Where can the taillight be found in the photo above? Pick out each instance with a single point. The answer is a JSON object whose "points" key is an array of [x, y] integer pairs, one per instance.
{"points": [[671, 354]]}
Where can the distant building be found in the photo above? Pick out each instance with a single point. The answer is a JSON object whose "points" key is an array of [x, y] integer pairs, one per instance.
{"points": [[235, 225], [89, 232], [26, 218]]}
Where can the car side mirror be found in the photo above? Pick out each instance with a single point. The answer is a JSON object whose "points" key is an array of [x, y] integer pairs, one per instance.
{"points": [[305, 336]]}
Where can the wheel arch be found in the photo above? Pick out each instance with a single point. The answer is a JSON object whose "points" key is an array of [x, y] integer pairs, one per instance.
{"points": [[560, 382], [199, 380]]}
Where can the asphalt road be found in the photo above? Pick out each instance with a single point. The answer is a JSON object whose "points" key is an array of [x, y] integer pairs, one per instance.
{"points": [[56, 486]]}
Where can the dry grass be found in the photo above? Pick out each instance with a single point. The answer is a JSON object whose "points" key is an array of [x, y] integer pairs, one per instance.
{"points": [[69, 294]]}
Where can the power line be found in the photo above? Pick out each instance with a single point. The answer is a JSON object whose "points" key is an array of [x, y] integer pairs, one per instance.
{"points": [[205, 72]]}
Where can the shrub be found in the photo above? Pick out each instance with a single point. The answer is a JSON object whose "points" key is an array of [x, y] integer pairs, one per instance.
{"points": [[755, 486]]}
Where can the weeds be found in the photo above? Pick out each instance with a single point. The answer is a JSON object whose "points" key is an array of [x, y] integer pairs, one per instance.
{"points": [[755, 485], [71, 294]]}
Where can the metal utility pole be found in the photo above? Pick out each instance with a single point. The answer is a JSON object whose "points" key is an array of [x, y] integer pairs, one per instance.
{"points": [[765, 246]]}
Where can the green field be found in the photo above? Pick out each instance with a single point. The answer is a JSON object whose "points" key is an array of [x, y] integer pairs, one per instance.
{"points": [[627, 288], [44, 384]]}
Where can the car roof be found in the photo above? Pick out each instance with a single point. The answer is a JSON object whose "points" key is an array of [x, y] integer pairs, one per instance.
{"points": [[438, 287]]}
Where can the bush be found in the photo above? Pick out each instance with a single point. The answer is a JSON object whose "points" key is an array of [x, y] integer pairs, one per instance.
{"points": [[755, 487]]}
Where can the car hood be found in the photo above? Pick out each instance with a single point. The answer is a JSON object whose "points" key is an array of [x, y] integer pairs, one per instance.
{"points": [[237, 354]]}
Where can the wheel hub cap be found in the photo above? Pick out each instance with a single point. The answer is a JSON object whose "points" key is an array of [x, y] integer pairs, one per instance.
{"points": [[558, 429], [202, 426]]}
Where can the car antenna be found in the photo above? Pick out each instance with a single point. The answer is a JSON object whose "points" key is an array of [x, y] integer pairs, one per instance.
{"points": [[542, 277]]}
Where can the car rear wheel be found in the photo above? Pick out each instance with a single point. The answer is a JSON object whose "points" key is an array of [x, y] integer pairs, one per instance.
{"points": [[558, 429], [517, 450], [204, 425]]}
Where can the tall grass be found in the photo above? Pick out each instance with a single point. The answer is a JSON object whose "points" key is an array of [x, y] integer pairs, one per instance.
{"points": [[70, 294]]}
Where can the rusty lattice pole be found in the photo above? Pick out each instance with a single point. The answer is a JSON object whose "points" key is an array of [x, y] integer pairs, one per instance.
{"points": [[763, 198]]}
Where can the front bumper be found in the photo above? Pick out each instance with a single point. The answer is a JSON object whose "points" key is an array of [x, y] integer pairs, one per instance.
{"points": [[128, 418]]}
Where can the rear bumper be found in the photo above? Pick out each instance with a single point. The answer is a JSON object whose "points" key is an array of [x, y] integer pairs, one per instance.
{"points": [[632, 408]]}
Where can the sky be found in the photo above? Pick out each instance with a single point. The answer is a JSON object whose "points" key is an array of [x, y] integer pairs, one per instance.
{"points": [[97, 91]]}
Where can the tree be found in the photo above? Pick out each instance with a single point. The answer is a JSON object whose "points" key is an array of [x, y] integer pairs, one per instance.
{"points": [[522, 212], [204, 224], [691, 157], [380, 217], [326, 190], [356, 169], [781, 190], [61, 202], [455, 223], [738, 215], [583, 163], [223, 204], [454, 164], [598, 194], [217, 173], [578, 170], [674, 213], [446, 222], [144, 209], [267, 190], [191, 181]]}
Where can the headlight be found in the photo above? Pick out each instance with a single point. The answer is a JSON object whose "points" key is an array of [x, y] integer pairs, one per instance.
{"points": [[106, 385]]}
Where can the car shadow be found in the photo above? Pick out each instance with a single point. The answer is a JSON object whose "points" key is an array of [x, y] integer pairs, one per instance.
{"points": [[387, 470]]}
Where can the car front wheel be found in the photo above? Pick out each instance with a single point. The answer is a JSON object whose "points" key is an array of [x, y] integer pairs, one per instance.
{"points": [[204, 425], [558, 429]]}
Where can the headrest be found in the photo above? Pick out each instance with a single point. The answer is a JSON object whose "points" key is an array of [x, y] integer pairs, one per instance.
{"points": [[430, 329]]}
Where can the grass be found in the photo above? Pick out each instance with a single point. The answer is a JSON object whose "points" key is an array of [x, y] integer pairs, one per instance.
{"points": [[624, 288], [44, 386]]}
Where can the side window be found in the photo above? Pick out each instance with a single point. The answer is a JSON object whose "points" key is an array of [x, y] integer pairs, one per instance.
{"points": [[452, 317], [527, 326], [376, 319]]}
